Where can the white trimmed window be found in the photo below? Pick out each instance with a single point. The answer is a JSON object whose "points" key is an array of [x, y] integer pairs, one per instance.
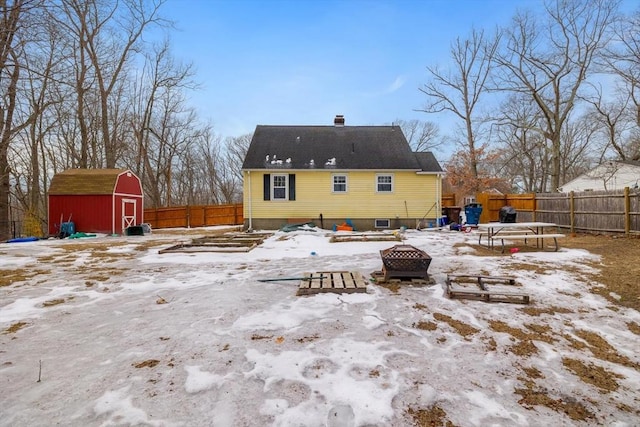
{"points": [[384, 183], [339, 183], [279, 187]]}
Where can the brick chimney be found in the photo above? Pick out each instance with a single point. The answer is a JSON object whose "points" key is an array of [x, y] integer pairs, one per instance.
{"points": [[339, 120]]}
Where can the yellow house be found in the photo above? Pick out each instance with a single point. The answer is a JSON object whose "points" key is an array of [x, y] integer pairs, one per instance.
{"points": [[330, 174]]}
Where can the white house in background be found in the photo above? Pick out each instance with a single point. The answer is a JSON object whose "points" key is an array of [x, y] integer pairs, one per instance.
{"points": [[608, 176]]}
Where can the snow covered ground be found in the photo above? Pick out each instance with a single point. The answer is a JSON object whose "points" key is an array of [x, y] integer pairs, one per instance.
{"points": [[120, 335]]}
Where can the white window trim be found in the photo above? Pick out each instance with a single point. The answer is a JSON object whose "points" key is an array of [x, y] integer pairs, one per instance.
{"points": [[286, 188], [392, 183], [346, 183]]}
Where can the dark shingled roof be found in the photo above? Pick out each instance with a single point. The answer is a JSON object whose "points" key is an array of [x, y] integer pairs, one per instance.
{"points": [[352, 147], [85, 181]]}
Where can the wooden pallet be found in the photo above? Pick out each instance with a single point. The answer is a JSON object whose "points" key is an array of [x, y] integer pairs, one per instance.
{"points": [[484, 288], [379, 278], [332, 281], [231, 242], [366, 237], [196, 248]]}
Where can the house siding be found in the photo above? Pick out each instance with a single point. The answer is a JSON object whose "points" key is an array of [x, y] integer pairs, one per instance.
{"points": [[414, 197], [605, 178]]}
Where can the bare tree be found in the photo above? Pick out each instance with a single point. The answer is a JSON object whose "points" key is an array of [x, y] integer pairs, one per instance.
{"points": [[615, 122], [106, 36], [421, 136], [235, 150], [549, 61], [523, 157], [579, 135], [14, 28], [459, 90], [623, 56]]}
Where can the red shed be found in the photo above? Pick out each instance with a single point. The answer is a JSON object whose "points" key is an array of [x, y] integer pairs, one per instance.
{"points": [[96, 200]]}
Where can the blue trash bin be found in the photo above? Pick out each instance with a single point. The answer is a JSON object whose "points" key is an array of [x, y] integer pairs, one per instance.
{"points": [[472, 212]]}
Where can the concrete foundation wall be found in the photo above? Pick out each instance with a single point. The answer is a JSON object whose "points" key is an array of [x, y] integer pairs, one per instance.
{"points": [[361, 224]]}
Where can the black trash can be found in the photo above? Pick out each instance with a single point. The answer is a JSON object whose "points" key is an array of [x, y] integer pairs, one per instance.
{"points": [[507, 214], [452, 213]]}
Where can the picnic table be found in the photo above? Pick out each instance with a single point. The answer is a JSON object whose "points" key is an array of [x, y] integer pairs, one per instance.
{"points": [[509, 231]]}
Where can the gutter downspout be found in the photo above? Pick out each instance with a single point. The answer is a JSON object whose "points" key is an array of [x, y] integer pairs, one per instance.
{"points": [[250, 198], [439, 200]]}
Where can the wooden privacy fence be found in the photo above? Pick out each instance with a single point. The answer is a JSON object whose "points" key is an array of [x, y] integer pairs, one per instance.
{"points": [[594, 211], [194, 216]]}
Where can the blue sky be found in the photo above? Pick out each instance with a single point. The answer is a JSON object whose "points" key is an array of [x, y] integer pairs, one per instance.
{"points": [[302, 62]]}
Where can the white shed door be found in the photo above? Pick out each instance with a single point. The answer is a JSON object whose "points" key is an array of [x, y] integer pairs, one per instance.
{"points": [[129, 208]]}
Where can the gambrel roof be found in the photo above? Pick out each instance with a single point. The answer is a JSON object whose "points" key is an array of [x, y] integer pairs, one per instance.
{"points": [[335, 147], [85, 181]]}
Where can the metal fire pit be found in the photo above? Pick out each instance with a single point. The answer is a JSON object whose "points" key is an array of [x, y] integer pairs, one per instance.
{"points": [[405, 261]]}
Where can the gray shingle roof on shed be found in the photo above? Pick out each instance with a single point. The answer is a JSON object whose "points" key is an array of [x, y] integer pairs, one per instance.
{"points": [[353, 147]]}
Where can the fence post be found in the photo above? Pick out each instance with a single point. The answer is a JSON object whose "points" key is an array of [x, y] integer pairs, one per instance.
{"points": [[188, 216], [627, 212], [572, 213], [534, 207]]}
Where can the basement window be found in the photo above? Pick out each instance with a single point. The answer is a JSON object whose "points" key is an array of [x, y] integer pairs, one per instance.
{"points": [[382, 223]]}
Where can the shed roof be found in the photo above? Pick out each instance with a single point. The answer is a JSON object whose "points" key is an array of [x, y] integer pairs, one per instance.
{"points": [[352, 147], [85, 181]]}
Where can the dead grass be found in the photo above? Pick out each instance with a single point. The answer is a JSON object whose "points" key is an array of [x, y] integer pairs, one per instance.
{"points": [[15, 327], [462, 328], [600, 348], [52, 302], [592, 374], [538, 311], [430, 417], [9, 277], [146, 364], [619, 269], [533, 396], [425, 326], [536, 332]]}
